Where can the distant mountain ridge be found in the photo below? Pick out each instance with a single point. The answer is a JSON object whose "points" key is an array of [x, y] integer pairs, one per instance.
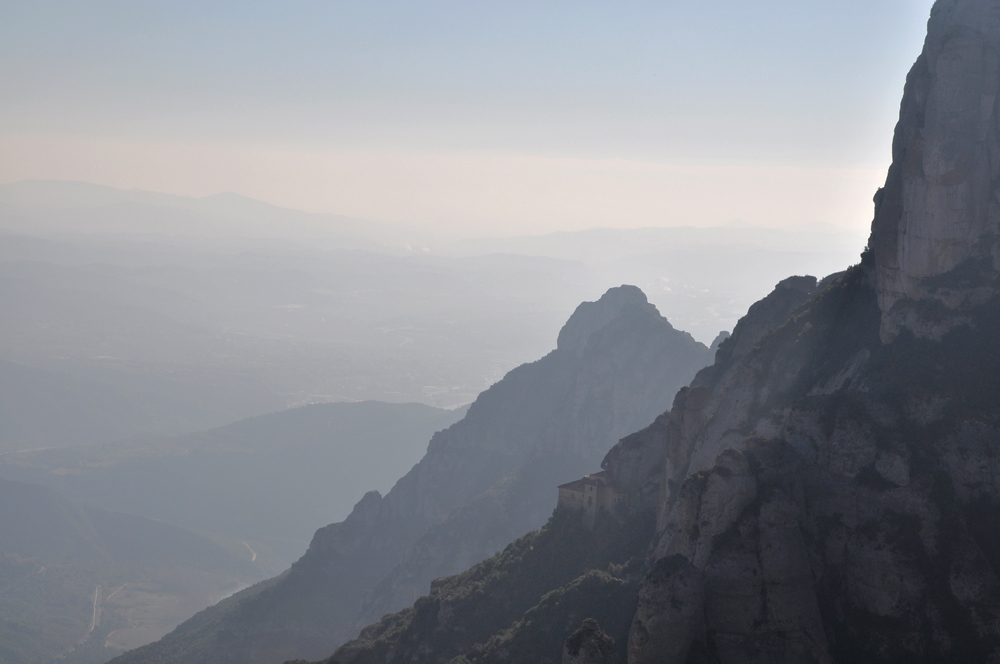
{"points": [[484, 481], [46, 207], [42, 408], [690, 273], [273, 478]]}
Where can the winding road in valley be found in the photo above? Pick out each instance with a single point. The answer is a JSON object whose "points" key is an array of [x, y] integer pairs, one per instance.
{"points": [[95, 618]]}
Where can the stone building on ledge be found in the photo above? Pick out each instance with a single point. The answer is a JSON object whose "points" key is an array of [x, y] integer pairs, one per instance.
{"points": [[592, 494]]}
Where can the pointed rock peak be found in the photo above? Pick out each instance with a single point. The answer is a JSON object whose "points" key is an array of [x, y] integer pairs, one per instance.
{"points": [[805, 284], [722, 336], [938, 214], [366, 508], [590, 317]]}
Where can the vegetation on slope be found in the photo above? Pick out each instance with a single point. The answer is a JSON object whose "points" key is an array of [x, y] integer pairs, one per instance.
{"points": [[527, 599]]}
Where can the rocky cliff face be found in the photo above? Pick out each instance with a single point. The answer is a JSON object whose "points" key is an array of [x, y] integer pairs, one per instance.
{"points": [[645, 465], [844, 516], [938, 217], [832, 494], [484, 481], [590, 645]]}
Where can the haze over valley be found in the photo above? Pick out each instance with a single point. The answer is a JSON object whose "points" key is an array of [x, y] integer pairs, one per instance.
{"points": [[233, 309], [249, 372], [380, 333], [249, 376]]}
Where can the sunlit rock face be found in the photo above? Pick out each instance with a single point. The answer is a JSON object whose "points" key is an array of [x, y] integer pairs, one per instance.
{"points": [[938, 216], [814, 496]]}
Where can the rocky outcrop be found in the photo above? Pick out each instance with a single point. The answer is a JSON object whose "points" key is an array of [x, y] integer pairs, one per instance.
{"points": [[737, 532], [764, 316], [849, 514], [648, 466], [484, 481], [813, 485], [670, 613], [520, 605], [840, 510], [937, 220], [589, 645]]}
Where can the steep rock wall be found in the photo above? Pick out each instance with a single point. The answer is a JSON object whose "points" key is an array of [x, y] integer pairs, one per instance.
{"points": [[940, 207], [847, 513]]}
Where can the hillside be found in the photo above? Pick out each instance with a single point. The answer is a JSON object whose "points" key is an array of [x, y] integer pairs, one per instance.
{"points": [[44, 408], [85, 583], [484, 481], [273, 479]]}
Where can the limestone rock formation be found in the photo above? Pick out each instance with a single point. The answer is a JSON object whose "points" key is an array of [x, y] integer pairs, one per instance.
{"points": [[831, 483], [833, 492], [937, 220], [630, 360], [649, 462], [850, 512], [670, 613], [590, 317], [589, 645], [737, 529]]}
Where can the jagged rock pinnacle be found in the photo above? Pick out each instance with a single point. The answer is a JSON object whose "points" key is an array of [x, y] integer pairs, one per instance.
{"points": [[940, 208]]}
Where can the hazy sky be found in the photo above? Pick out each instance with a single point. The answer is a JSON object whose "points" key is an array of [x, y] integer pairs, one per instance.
{"points": [[487, 117]]}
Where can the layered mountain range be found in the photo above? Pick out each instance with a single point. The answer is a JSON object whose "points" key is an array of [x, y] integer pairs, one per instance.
{"points": [[483, 482], [270, 480], [827, 491]]}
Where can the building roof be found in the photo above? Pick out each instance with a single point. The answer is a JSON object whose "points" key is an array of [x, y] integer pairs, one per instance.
{"points": [[597, 479]]}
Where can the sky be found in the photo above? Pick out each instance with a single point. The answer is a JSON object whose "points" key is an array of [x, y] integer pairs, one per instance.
{"points": [[479, 118]]}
